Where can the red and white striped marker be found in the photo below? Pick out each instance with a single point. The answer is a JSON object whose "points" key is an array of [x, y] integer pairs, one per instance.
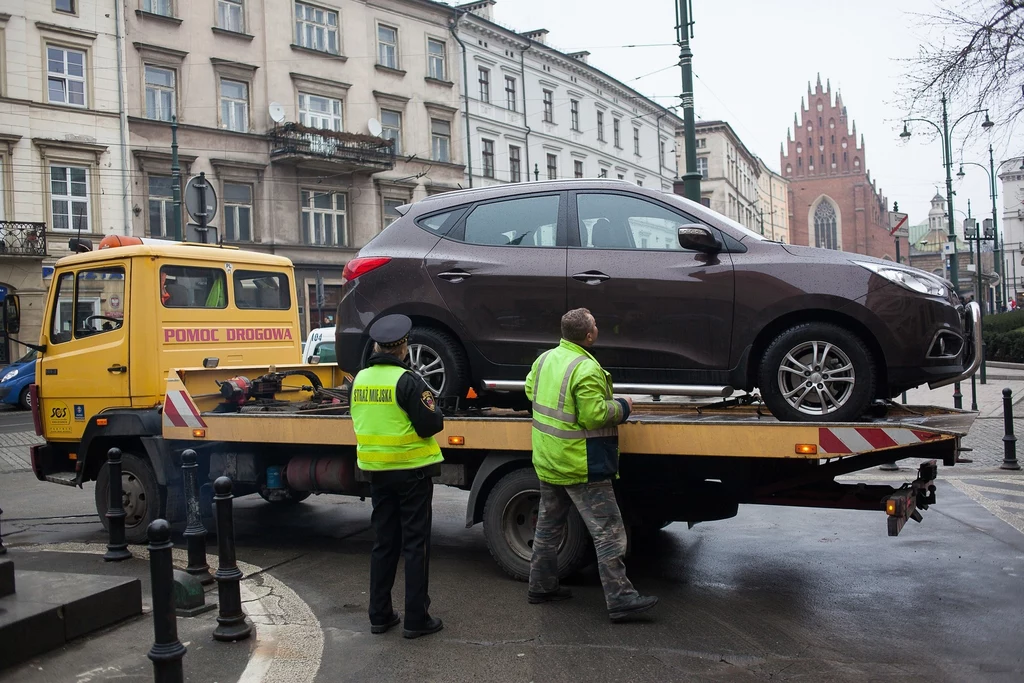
{"points": [[179, 410], [848, 440]]}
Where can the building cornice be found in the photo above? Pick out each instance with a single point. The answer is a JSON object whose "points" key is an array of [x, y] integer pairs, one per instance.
{"points": [[148, 48], [66, 30]]}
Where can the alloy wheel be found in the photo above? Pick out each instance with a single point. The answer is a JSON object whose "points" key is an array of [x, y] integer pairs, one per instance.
{"points": [[427, 363], [816, 377]]}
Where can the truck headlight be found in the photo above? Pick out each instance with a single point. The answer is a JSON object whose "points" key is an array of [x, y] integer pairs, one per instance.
{"points": [[908, 278], [10, 375]]}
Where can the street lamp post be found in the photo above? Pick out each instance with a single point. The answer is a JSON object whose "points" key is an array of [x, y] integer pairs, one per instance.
{"points": [[947, 160]]}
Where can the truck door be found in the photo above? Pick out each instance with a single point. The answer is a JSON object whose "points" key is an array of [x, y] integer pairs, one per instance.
{"points": [[84, 369]]}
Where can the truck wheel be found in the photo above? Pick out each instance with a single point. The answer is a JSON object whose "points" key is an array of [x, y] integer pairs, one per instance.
{"points": [[510, 517], [817, 371], [143, 499], [439, 359]]}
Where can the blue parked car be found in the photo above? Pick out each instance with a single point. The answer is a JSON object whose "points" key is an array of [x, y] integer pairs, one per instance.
{"points": [[14, 381]]}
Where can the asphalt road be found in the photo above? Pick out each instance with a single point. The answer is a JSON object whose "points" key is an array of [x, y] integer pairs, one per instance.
{"points": [[773, 594], [14, 420]]}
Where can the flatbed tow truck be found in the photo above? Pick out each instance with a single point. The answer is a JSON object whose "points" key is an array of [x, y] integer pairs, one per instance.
{"points": [[282, 431]]}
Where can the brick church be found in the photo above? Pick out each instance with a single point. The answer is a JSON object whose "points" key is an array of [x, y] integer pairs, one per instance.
{"points": [[833, 202]]}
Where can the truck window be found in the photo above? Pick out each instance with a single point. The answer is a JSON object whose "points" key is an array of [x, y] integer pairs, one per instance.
{"points": [[262, 290], [192, 287], [89, 302]]}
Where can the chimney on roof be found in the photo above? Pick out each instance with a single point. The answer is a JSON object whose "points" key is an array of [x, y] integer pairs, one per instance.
{"points": [[580, 56], [540, 35], [481, 8]]}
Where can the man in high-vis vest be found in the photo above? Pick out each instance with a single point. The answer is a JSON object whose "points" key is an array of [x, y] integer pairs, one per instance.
{"points": [[576, 455], [395, 418]]}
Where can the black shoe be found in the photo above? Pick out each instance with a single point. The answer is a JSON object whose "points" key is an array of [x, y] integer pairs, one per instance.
{"points": [[553, 596], [384, 628], [640, 603], [433, 625]]}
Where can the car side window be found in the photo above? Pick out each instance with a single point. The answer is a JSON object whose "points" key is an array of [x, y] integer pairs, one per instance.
{"points": [[440, 223], [615, 221], [520, 222]]}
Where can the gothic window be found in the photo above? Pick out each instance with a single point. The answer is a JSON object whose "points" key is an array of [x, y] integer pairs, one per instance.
{"points": [[833, 140], [822, 159], [819, 119], [825, 225], [800, 162]]}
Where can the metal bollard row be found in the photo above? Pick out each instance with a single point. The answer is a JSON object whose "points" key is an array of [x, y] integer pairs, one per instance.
{"points": [[195, 532], [1009, 440], [231, 622], [117, 547], [3, 550], [167, 651]]}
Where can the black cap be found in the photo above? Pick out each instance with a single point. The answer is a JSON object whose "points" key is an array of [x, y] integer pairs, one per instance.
{"points": [[391, 330]]}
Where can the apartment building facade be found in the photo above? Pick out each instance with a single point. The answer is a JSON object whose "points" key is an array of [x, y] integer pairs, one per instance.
{"points": [[773, 203]]}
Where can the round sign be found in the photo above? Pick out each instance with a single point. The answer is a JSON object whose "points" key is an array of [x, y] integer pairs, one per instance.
{"points": [[115, 301], [196, 185]]}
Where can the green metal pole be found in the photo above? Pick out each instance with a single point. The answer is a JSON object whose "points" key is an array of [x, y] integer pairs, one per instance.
{"points": [[175, 179], [947, 147], [997, 252], [691, 179]]}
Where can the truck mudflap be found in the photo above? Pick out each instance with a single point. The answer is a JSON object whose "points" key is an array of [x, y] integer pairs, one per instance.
{"points": [[917, 495]]}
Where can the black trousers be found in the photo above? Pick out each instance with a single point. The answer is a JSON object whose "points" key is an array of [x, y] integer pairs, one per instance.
{"points": [[402, 515]]}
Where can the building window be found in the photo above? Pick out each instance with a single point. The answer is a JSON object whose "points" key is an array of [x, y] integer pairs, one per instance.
{"points": [[574, 114], [237, 212], [229, 15], [316, 28], [65, 76], [549, 106], [702, 166], [615, 133], [67, 6], [514, 169], [488, 154], [600, 126], [661, 151], [552, 167], [436, 67], [161, 207], [69, 198], [639, 183], [577, 168], [636, 141], [390, 212], [441, 140], [159, 93], [825, 222], [485, 84], [324, 218], [234, 106], [510, 93], [323, 113], [603, 173], [621, 176], [702, 143], [387, 46], [161, 7], [391, 127]]}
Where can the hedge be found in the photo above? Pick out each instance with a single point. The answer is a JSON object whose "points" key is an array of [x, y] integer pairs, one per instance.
{"points": [[1004, 346], [1003, 322]]}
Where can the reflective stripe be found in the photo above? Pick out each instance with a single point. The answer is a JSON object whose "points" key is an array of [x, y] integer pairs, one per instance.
{"points": [[574, 433], [400, 456], [614, 411], [559, 412], [565, 381], [382, 440]]}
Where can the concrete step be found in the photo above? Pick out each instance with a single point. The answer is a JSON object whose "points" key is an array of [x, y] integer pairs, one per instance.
{"points": [[52, 608], [6, 577]]}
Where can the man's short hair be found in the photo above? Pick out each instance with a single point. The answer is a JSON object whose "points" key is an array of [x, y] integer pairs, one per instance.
{"points": [[576, 324]]}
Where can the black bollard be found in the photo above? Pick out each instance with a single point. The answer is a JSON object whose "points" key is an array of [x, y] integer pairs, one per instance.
{"points": [[117, 548], [958, 398], [983, 349], [195, 532], [1009, 440], [231, 621], [3, 550], [167, 650]]}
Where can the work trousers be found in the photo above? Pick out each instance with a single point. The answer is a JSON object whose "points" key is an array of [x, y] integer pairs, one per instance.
{"points": [[600, 512], [401, 519]]}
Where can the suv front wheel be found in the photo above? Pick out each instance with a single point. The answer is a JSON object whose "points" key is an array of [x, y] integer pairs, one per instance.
{"points": [[438, 358], [817, 372]]}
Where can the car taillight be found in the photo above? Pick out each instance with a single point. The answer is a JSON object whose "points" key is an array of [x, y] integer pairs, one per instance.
{"points": [[362, 266]]}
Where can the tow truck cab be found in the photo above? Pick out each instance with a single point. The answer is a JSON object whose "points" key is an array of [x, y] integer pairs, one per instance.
{"points": [[118, 318]]}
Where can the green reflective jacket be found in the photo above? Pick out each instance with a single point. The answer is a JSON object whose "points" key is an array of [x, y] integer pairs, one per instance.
{"points": [[385, 437], [575, 439]]}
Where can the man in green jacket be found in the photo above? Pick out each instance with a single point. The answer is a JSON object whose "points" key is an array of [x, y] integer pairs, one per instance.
{"points": [[576, 455]]}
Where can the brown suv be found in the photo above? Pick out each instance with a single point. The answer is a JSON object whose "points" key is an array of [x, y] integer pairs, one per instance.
{"points": [[688, 301]]}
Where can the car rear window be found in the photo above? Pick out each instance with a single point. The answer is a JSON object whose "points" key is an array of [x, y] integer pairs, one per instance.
{"points": [[440, 223]]}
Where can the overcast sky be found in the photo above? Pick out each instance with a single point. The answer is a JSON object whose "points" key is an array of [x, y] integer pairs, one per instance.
{"points": [[753, 59]]}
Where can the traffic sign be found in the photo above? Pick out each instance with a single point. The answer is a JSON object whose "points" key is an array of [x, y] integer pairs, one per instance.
{"points": [[197, 188], [898, 225]]}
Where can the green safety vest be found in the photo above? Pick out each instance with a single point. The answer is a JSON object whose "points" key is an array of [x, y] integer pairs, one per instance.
{"points": [[573, 443], [385, 437]]}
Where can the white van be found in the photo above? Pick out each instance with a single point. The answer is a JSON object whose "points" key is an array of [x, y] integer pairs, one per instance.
{"points": [[320, 342]]}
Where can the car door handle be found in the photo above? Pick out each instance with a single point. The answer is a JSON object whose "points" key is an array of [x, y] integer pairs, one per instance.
{"points": [[591, 277], [117, 368], [454, 275]]}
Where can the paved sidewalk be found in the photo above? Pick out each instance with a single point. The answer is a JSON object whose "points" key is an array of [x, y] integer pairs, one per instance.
{"points": [[14, 456]]}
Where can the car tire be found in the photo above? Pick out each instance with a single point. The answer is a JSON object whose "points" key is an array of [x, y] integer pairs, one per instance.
{"points": [[25, 399], [145, 499], [427, 346], [845, 374], [510, 517]]}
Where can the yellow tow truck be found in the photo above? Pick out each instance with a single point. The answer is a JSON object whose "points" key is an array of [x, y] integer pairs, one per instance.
{"points": [[155, 347]]}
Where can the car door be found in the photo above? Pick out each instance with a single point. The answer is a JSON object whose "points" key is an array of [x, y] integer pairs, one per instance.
{"points": [[663, 312], [501, 273]]}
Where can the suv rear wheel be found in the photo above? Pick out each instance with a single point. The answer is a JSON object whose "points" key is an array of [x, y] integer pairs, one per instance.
{"points": [[817, 371], [438, 358]]}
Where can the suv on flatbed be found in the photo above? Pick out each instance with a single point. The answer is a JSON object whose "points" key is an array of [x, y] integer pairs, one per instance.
{"points": [[683, 296]]}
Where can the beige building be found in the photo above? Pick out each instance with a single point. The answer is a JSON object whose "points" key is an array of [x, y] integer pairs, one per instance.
{"points": [[277, 102], [729, 172], [773, 203], [61, 157]]}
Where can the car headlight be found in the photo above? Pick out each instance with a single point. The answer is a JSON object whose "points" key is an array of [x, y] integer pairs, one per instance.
{"points": [[914, 280], [10, 375]]}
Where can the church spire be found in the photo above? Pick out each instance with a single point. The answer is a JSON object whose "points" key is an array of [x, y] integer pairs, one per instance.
{"points": [[818, 86]]}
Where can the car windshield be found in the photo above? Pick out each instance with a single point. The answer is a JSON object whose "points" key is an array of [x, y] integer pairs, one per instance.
{"points": [[694, 207], [27, 358]]}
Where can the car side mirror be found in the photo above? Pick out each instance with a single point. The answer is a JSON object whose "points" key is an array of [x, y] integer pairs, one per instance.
{"points": [[12, 314], [698, 238]]}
